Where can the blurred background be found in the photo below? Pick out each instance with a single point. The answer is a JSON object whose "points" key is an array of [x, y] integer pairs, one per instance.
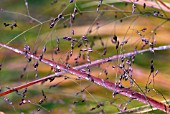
{"points": [[99, 23]]}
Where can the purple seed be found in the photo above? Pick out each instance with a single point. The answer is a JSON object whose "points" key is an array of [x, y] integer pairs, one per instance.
{"points": [[71, 1]]}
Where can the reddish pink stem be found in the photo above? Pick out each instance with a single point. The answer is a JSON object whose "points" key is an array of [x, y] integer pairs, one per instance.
{"points": [[106, 84]]}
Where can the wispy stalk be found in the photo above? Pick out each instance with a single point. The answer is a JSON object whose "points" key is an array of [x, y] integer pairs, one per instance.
{"points": [[104, 83], [141, 109]]}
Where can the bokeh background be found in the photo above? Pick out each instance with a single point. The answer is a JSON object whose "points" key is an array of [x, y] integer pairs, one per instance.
{"points": [[113, 18]]}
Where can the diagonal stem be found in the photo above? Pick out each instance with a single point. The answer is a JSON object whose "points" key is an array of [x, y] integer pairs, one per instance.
{"points": [[104, 83]]}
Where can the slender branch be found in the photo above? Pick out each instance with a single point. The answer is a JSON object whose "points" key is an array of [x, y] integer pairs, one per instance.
{"points": [[93, 63], [141, 109], [151, 4], [11, 12], [104, 83], [164, 4]]}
